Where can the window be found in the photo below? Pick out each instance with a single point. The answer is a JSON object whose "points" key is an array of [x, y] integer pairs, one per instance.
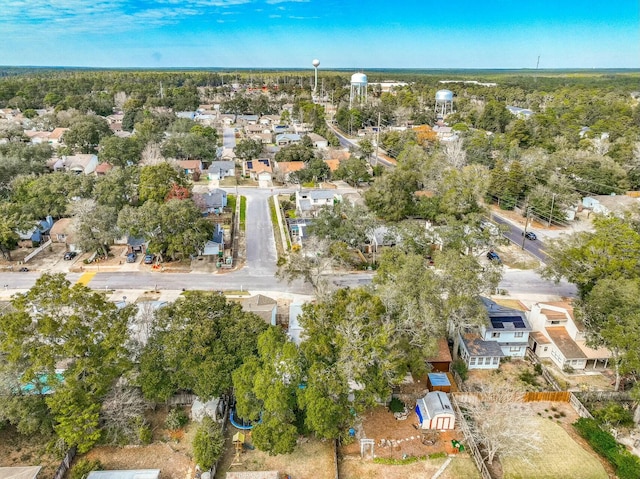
{"points": [[495, 335], [545, 348], [514, 349], [480, 361], [518, 334], [472, 362], [555, 322], [496, 360]]}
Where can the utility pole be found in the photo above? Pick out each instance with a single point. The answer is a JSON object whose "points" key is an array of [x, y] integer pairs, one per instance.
{"points": [[526, 224], [377, 140]]}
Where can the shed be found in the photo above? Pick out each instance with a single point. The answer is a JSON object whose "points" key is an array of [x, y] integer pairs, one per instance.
{"points": [[212, 408], [441, 362], [435, 412], [438, 382]]}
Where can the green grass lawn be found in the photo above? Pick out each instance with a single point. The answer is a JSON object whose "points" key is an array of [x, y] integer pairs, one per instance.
{"points": [[560, 457]]}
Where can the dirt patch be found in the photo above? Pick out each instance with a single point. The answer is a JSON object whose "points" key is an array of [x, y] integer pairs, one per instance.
{"points": [[20, 450], [352, 467], [312, 459], [515, 257], [509, 373]]}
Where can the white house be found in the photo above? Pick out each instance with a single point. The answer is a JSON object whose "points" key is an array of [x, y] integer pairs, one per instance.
{"points": [[221, 169], [309, 200], [81, 163], [558, 336], [286, 139], [318, 141], [504, 333], [435, 412]]}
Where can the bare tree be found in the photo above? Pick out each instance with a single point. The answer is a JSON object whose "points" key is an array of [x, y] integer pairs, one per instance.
{"points": [[119, 99], [122, 413], [151, 155], [501, 424], [455, 153], [311, 263]]}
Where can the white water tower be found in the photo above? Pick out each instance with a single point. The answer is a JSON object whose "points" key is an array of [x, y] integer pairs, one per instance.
{"points": [[316, 64], [444, 102], [358, 88]]}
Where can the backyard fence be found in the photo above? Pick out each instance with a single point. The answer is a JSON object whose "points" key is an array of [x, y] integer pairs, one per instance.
{"points": [[182, 399], [471, 445], [545, 373], [553, 396], [65, 464], [579, 407]]}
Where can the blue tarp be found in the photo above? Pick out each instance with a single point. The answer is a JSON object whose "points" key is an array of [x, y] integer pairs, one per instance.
{"points": [[439, 379]]}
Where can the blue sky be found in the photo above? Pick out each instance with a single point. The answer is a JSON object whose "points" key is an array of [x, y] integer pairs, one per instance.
{"points": [[342, 34]]}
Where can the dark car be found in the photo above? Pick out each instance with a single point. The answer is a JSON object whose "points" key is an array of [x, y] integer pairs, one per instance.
{"points": [[148, 258], [493, 256], [69, 255], [23, 269], [530, 235], [132, 257]]}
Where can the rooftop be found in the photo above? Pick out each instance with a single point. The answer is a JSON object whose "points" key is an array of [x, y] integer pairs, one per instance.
{"points": [[567, 346], [478, 347]]}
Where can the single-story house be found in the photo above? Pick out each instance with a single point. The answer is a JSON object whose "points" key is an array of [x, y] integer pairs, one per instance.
{"points": [[441, 362], [247, 119], [616, 205], [136, 245], [285, 168], [103, 168], [286, 139], [37, 137], [62, 232], [251, 129], [383, 236], [261, 305], [221, 169], [280, 129], [318, 141], [523, 113], [213, 201], [190, 166], [310, 200], [269, 119], [254, 167], [264, 138], [435, 411], [125, 474], [38, 231], [189, 115], [80, 164]]}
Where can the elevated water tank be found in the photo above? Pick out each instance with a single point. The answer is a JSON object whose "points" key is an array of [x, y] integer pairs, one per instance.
{"points": [[359, 79], [444, 95]]}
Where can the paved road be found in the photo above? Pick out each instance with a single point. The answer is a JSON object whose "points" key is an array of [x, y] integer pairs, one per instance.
{"points": [[228, 138], [535, 247], [348, 143]]}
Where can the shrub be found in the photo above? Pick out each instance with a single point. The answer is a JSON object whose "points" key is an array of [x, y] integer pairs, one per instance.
{"points": [[460, 367], [396, 405], [538, 369], [528, 377], [83, 467], [208, 443], [145, 436], [176, 419], [398, 462], [437, 455], [614, 414]]}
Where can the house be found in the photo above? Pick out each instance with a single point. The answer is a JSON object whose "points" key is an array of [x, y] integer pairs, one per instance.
{"points": [[382, 236], [295, 331], [435, 411], [269, 119], [189, 115], [213, 201], [332, 164], [56, 136], [286, 139], [318, 141], [37, 233], [264, 138], [125, 474], [62, 232], [103, 168], [285, 168], [190, 166], [559, 336], [135, 245], [81, 163], [307, 201], [280, 129], [523, 113], [251, 129], [26, 472], [215, 246], [441, 362], [479, 354], [247, 119], [37, 137], [221, 169], [615, 205], [253, 168], [261, 305]]}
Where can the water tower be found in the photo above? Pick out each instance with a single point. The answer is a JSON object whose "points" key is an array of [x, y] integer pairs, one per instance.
{"points": [[316, 64], [358, 88], [444, 102]]}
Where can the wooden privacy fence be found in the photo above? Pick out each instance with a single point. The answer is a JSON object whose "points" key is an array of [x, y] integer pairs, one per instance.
{"points": [[471, 445], [65, 464], [555, 396]]}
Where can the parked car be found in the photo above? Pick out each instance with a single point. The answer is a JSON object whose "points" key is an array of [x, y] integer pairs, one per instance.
{"points": [[493, 256], [148, 258], [530, 235], [69, 255], [132, 257], [23, 269]]}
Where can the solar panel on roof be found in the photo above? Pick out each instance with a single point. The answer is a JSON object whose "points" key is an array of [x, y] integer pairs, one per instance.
{"points": [[518, 324]]}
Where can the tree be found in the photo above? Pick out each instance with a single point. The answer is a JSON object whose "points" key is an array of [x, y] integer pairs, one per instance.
{"points": [[208, 443], [366, 148], [295, 153], [351, 224], [315, 170], [122, 414], [195, 345], [94, 226], [501, 424], [120, 151], [354, 171], [611, 314], [612, 251], [266, 388], [9, 222], [117, 188], [311, 266], [495, 117], [174, 229], [391, 196], [248, 149], [462, 190], [156, 181], [86, 132], [54, 321]]}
